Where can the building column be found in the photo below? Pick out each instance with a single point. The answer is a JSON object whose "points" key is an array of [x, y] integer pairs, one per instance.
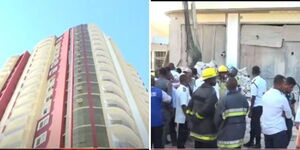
{"points": [[232, 39]]}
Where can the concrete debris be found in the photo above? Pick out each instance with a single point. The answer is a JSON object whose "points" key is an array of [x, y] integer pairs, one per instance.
{"points": [[243, 76]]}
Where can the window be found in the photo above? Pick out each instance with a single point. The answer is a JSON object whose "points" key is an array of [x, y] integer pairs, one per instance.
{"points": [[46, 110], [53, 70], [79, 100], [79, 88], [48, 98], [160, 54], [55, 62], [40, 139], [43, 122], [79, 79], [50, 88]]}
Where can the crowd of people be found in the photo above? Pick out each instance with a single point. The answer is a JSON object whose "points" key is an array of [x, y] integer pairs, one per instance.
{"points": [[209, 108]]}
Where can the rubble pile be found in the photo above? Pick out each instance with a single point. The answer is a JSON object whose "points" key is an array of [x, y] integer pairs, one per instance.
{"points": [[243, 76]]}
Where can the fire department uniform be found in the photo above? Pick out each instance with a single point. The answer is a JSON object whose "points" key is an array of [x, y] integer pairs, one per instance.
{"points": [[200, 113], [230, 120]]}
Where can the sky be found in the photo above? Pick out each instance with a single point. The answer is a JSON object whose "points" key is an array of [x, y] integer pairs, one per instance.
{"points": [[23, 23]]}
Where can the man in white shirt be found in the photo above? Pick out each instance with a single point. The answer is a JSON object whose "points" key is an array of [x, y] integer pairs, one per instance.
{"points": [[258, 88], [275, 109], [182, 99]]}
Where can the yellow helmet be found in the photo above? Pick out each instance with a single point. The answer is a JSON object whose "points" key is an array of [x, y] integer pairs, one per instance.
{"points": [[222, 68], [209, 73]]}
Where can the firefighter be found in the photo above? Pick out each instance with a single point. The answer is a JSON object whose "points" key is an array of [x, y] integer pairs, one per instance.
{"points": [[201, 109], [222, 80], [230, 117]]}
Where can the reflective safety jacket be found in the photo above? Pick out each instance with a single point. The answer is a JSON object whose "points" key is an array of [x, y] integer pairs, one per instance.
{"points": [[230, 120], [200, 114]]}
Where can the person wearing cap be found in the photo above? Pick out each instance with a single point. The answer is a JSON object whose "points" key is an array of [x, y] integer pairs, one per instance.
{"points": [[258, 88], [200, 81], [230, 117], [223, 70], [201, 109]]}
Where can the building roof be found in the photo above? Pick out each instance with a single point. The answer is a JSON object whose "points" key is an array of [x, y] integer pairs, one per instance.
{"points": [[237, 10], [241, 7]]}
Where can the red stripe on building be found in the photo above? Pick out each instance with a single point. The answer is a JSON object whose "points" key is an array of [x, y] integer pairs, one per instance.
{"points": [[71, 99], [12, 81], [57, 112], [90, 98]]}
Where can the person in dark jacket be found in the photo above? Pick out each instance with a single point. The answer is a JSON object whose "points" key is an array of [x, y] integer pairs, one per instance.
{"points": [[230, 117], [201, 109], [289, 86], [163, 82]]}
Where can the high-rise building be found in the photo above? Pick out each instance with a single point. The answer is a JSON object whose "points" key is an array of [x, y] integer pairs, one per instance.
{"points": [[74, 90]]}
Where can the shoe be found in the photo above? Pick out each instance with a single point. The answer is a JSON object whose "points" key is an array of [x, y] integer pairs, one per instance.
{"points": [[249, 144], [256, 146]]}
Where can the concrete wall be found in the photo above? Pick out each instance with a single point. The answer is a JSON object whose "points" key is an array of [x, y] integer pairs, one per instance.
{"points": [[267, 39], [177, 53]]}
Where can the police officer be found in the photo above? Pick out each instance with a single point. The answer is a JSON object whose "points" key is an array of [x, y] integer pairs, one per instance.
{"points": [[230, 117], [258, 88], [182, 98], [201, 111]]}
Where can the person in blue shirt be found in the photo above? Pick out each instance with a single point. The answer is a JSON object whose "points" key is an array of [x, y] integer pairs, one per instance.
{"points": [[157, 121]]}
